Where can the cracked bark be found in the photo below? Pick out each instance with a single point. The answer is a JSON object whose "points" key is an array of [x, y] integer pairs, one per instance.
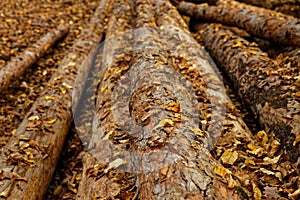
{"points": [[17, 66], [152, 128], [290, 7], [264, 23], [30, 157], [269, 87]]}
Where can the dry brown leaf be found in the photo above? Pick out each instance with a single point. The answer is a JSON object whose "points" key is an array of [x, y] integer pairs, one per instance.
{"points": [[229, 157]]}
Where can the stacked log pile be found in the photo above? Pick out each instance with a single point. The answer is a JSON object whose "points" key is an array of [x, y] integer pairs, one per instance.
{"points": [[142, 99]]}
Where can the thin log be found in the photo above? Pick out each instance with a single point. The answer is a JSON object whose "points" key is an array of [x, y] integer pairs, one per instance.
{"points": [[260, 22], [30, 157], [17, 66], [269, 88]]}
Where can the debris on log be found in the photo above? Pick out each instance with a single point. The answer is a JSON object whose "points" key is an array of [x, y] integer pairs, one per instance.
{"points": [[290, 7], [264, 23], [267, 86], [30, 156], [132, 150], [17, 66], [96, 182]]}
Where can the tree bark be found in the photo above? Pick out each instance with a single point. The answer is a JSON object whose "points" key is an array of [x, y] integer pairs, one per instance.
{"points": [[260, 22], [290, 7], [152, 128], [15, 68], [269, 88], [30, 156]]}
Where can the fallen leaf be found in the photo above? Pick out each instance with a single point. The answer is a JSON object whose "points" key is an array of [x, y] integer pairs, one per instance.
{"points": [[33, 118], [262, 137], [164, 123], [271, 160], [256, 192], [49, 98], [238, 44], [297, 140], [221, 171], [49, 120], [229, 157]]}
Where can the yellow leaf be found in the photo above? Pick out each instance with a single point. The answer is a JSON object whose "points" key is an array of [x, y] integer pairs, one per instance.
{"points": [[236, 142], [257, 193], [63, 90], [115, 164], [231, 183], [164, 123], [49, 120], [33, 118], [172, 106], [253, 149], [67, 86], [238, 44], [251, 51], [30, 162], [13, 131], [57, 190], [71, 64], [229, 157], [103, 89], [297, 140], [73, 57], [221, 171], [265, 171], [48, 98], [295, 194], [199, 132], [249, 162], [272, 160], [262, 137]]}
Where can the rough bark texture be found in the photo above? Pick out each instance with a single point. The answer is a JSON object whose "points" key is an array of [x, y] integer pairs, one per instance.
{"points": [[160, 105], [15, 68], [116, 55], [290, 7], [30, 156], [261, 22], [270, 88]]}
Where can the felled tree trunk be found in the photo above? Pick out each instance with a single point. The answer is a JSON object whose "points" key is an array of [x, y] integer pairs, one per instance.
{"points": [[268, 87], [114, 58], [160, 106], [30, 157], [290, 7], [260, 22], [17, 66]]}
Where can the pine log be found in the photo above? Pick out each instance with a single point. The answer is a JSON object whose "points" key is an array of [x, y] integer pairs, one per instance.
{"points": [[264, 23], [290, 7], [269, 4], [148, 142], [30, 157], [268, 87], [116, 54], [17, 66]]}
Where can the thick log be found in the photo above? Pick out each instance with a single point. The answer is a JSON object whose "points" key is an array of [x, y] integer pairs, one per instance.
{"points": [[115, 56], [269, 88], [260, 22], [152, 128], [30, 156], [17, 66], [290, 7]]}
